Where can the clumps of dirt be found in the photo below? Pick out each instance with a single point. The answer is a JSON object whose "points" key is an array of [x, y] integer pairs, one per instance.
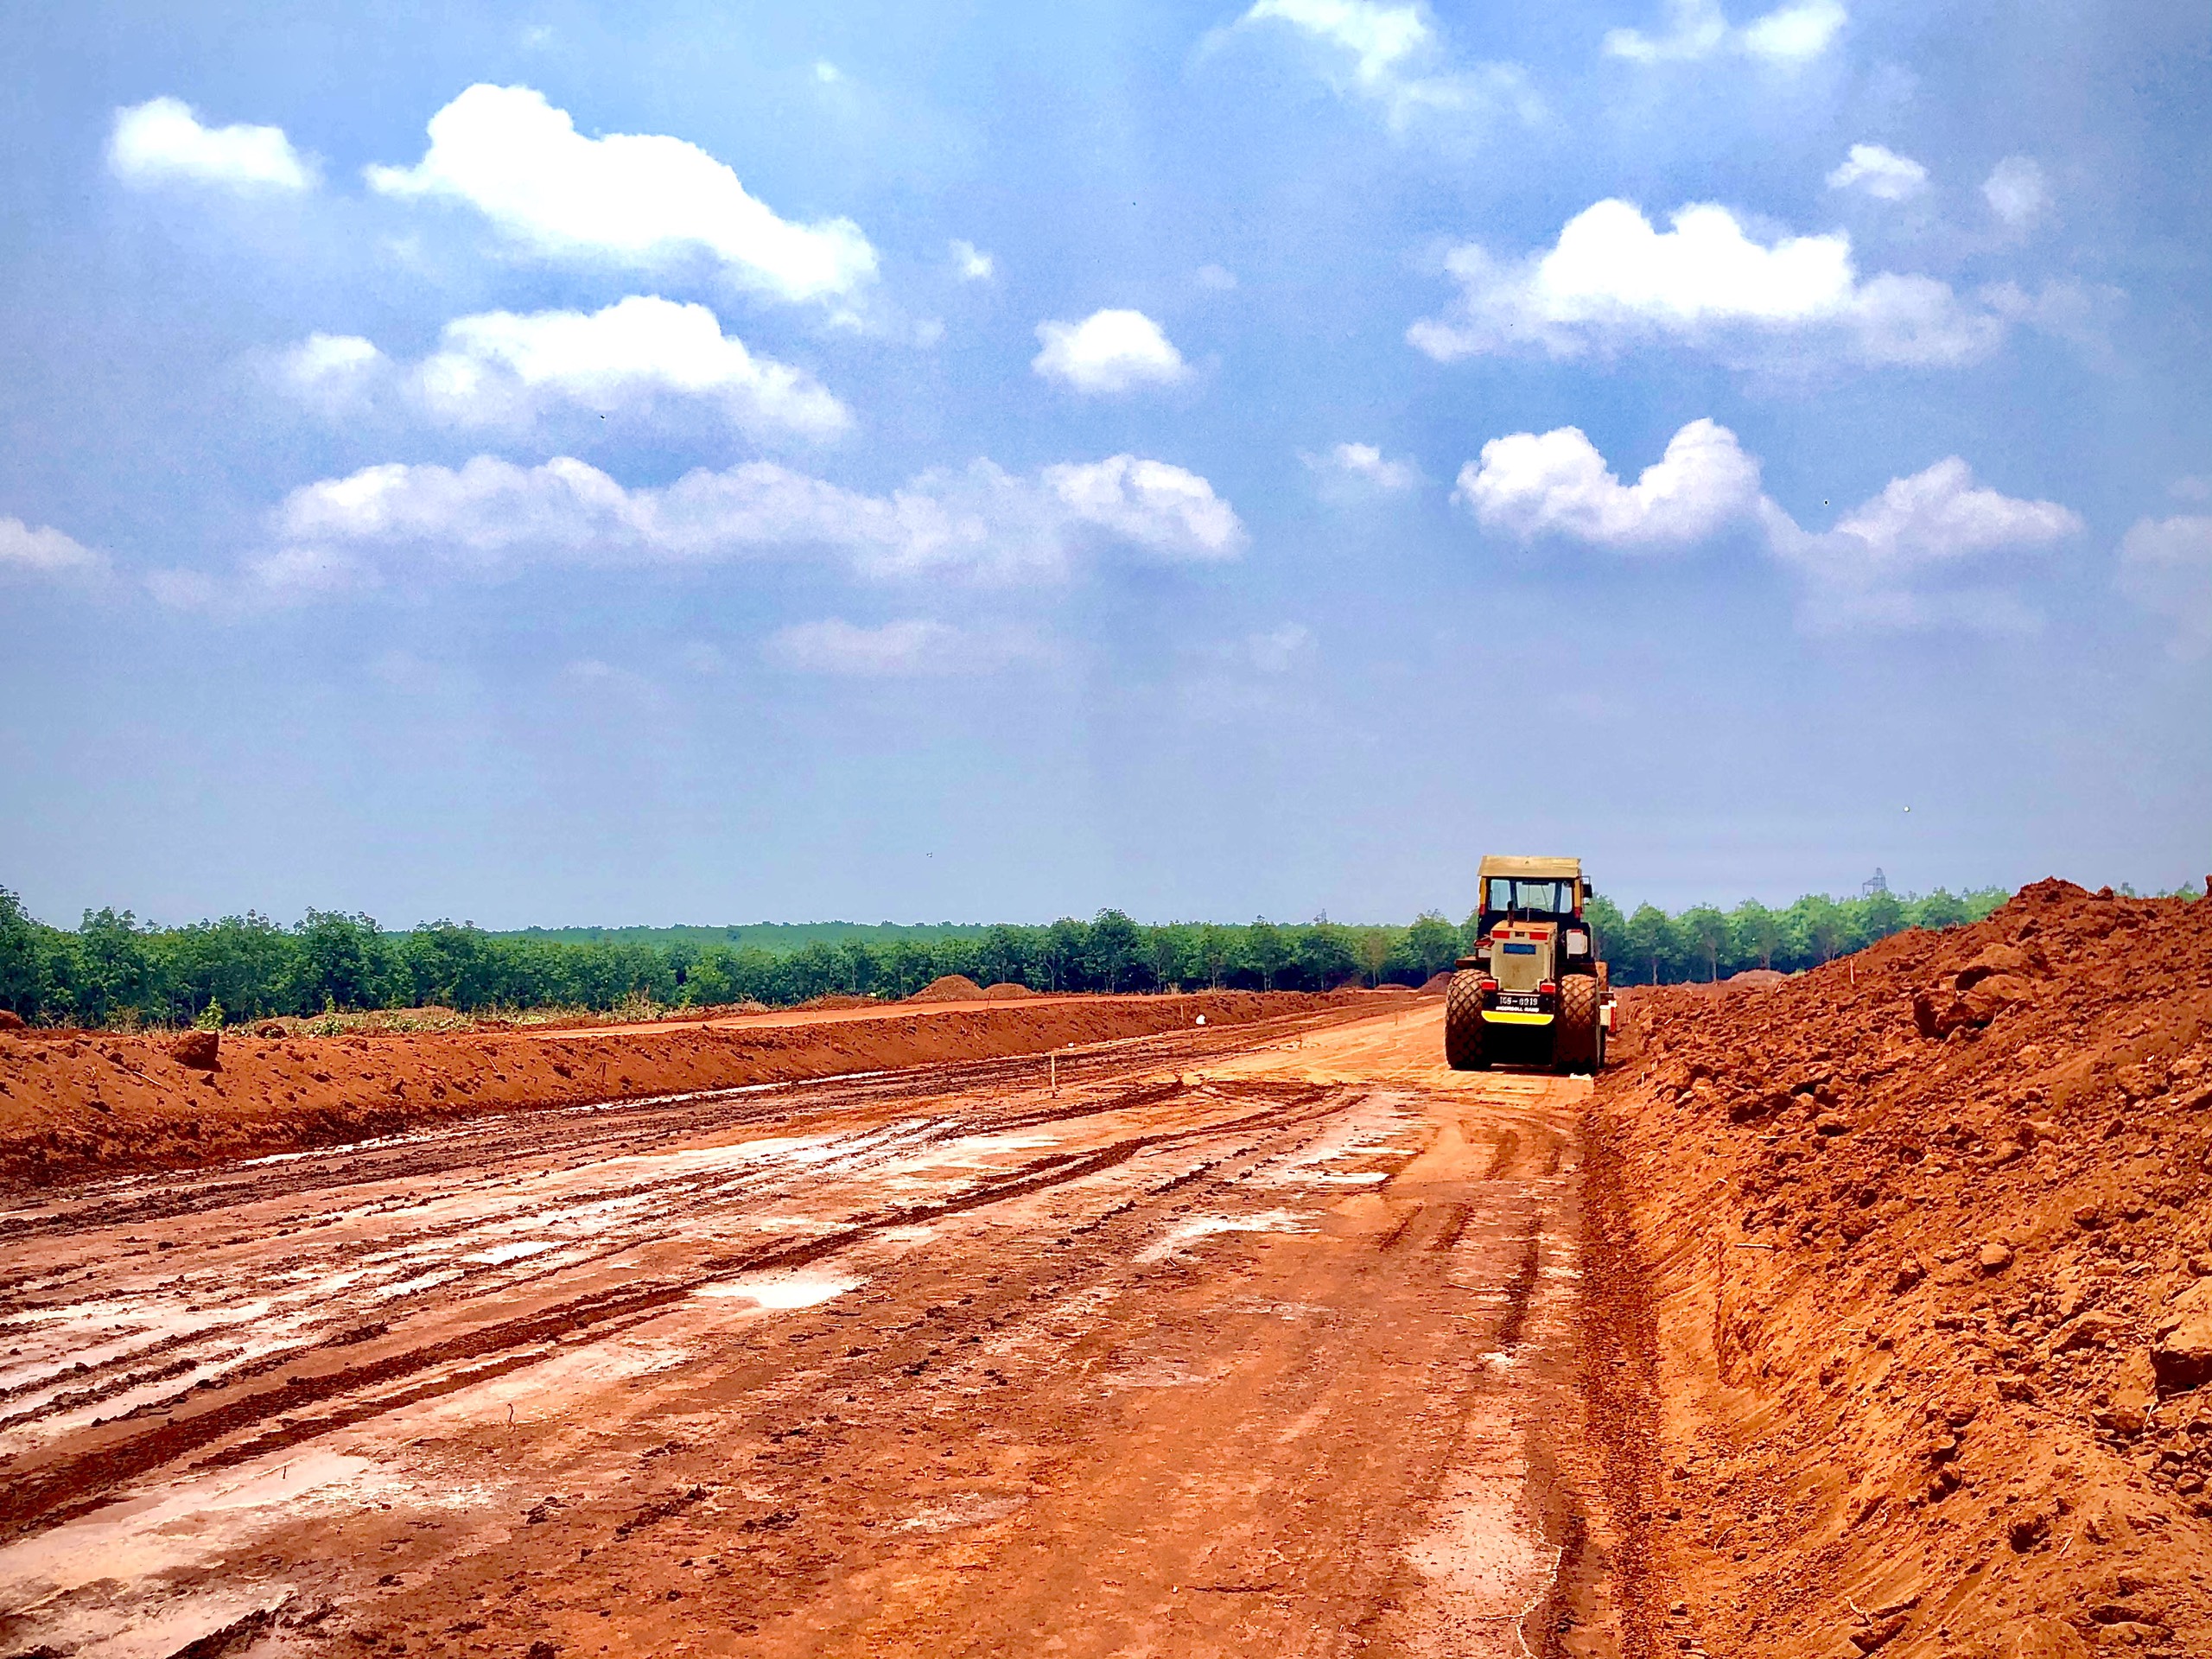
{"points": [[1008, 987], [76, 1104], [1929, 1235], [949, 987]]}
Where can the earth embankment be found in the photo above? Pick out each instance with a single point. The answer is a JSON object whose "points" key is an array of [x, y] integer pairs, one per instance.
{"points": [[77, 1102], [1924, 1241]]}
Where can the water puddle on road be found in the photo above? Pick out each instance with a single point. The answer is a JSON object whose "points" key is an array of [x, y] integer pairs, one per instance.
{"points": [[1179, 1238], [781, 1291]]}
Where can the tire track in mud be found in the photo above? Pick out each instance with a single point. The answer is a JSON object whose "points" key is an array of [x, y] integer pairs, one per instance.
{"points": [[477, 1142], [74, 1485]]}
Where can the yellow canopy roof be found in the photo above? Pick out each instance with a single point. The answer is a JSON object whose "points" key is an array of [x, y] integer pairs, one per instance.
{"points": [[1532, 869]]}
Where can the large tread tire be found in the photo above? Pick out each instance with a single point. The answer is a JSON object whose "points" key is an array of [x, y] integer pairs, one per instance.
{"points": [[1463, 1024], [1575, 1033]]}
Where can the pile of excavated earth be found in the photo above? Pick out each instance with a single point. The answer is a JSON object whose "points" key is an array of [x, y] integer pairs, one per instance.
{"points": [[74, 1103], [1912, 1272]]}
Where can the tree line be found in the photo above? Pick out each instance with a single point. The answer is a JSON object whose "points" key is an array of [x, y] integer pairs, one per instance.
{"points": [[114, 970]]}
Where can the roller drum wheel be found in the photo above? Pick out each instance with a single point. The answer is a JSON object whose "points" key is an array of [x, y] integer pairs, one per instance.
{"points": [[1463, 1024], [1575, 1034]]}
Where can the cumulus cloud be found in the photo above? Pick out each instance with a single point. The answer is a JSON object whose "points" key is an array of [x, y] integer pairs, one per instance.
{"points": [[1931, 550], [2165, 566], [1353, 472], [42, 551], [398, 523], [1880, 173], [1791, 35], [911, 646], [972, 263], [1555, 483], [1612, 279], [1149, 503], [1112, 350], [161, 140], [501, 368], [1391, 56], [2017, 191], [333, 374], [631, 199]]}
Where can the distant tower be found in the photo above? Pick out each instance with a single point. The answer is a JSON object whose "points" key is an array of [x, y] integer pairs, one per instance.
{"points": [[1875, 883]]}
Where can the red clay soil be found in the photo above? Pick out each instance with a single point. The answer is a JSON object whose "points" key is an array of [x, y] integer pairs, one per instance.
{"points": [[1923, 1306], [1006, 987], [74, 1103], [949, 987]]}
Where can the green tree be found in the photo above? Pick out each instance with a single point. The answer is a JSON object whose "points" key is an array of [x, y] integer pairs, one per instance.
{"points": [[1324, 956], [1116, 946], [1707, 928], [1265, 951], [1650, 942], [114, 970], [342, 964], [1757, 932], [22, 960], [1434, 944]]}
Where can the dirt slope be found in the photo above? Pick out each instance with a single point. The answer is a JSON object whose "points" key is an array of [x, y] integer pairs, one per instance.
{"points": [[1925, 1233], [72, 1103]]}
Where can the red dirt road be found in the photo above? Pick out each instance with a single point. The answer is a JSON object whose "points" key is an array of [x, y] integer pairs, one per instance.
{"points": [[1253, 1341]]}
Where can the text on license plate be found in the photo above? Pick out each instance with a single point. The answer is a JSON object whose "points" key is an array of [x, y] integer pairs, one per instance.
{"points": [[1518, 1002]]}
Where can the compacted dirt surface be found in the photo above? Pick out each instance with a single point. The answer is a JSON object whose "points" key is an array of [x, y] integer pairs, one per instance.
{"points": [[1248, 1339]]}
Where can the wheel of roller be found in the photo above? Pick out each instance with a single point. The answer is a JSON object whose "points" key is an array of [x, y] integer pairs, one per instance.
{"points": [[1574, 1034], [1463, 1024]]}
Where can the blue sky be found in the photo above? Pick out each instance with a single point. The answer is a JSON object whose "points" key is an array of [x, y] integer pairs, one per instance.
{"points": [[559, 464]]}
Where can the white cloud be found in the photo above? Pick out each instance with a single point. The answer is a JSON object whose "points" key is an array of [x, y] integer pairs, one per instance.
{"points": [[1352, 472], [972, 263], [1881, 173], [1108, 351], [1279, 650], [1557, 484], [2165, 566], [911, 646], [333, 373], [1932, 550], [498, 367], [1150, 502], [44, 551], [633, 199], [1791, 35], [492, 516], [2017, 191], [1391, 55], [1612, 279], [161, 140]]}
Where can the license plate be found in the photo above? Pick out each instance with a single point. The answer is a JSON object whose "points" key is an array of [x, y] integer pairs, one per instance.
{"points": [[1515, 1002]]}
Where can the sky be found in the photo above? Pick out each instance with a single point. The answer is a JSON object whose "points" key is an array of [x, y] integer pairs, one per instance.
{"points": [[560, 464]]}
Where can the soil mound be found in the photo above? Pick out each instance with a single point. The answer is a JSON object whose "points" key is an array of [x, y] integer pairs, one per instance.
{"points": [[1756, 979], [949, 987], [77, 1104], [1436, 984], [1008, 987], [1929, 1285]]}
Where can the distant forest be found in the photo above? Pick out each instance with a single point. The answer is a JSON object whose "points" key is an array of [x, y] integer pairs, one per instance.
{"points": [[114, 970]]}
